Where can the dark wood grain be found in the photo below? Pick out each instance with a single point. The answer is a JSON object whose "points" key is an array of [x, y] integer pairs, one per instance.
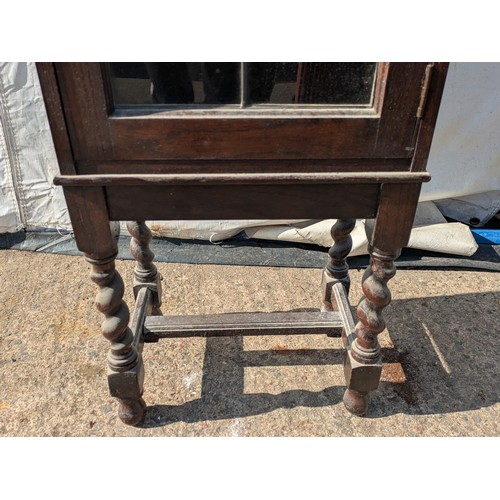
{"points": [[243, 138], [125, 368], [342, 244], [145, 272], [241, 179], [55, 114], [246, 201], [86, 109], [90, 221], [224, 163], [387, 234], [396, 211], [380, 84], [363, 363], [337, 269], [262, 134], [395, 136], [218, 325], [242, 166], [341, 300], [429, 117], [143, 309]]}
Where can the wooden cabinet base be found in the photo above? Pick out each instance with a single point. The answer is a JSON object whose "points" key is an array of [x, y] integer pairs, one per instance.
{"points": [[335, 320]]}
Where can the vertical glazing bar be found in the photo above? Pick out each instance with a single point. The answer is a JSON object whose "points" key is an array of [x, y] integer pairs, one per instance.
{"points": [[243, 84]]}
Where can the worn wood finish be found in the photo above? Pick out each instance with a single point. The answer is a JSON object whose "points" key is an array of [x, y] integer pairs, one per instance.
{"points": [[252, 201], [243, 138], [86, 109], [396, 134], [224, 163], [429, 116], [337, 270], [90, 221], [242, 166], [170, 196], [145, 272], [217, 325], [98, 240], [342, 244], [55, 114], [375, 177], [125, 367], [376, 296], [363, 363], [340, 301], [387, 234], [260, 133], [391, 127], [395, 215], [143, 309], [380, 85]]}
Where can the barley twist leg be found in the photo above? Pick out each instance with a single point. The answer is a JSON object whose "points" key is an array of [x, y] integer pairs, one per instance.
{"points": [[145, 272], [125, 367], [337, 269], [363, 363]]}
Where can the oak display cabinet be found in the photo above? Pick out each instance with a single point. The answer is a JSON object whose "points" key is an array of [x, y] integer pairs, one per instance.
{"points": [[189, 141]]}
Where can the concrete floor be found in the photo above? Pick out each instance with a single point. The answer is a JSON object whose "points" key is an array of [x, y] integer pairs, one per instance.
{"points": [[441, 348]]}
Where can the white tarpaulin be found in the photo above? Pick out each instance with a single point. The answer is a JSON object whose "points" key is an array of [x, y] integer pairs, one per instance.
{"points": [[430, 232], [27, 158], [464, 160]]}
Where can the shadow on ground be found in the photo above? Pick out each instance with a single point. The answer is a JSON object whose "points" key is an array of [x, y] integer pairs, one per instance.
{"points": [[445, 359]]}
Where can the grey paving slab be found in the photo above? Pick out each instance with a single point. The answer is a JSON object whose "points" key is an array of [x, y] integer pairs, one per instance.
{"points": [[441, 350]]}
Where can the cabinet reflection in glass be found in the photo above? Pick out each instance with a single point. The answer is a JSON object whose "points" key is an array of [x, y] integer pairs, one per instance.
{"points": [[242, 84]]}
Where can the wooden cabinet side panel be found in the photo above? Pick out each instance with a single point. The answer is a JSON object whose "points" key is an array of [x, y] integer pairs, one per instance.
{"points": [[83, 94], [55, 114], [429, 117]]}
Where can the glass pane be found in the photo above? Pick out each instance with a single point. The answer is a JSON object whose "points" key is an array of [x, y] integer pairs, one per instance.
{"points": [[265, 83], [175, 83], [310, 83]]}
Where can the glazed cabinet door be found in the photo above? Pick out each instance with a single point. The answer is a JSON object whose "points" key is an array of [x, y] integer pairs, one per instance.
{"points": [[241, 117]]}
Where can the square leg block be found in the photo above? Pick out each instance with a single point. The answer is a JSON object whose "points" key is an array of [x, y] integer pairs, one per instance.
{"points": [[129, 384], [361, 377]]}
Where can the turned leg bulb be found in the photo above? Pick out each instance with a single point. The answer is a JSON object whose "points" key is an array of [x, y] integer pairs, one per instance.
{"points": [[356, 402]]}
